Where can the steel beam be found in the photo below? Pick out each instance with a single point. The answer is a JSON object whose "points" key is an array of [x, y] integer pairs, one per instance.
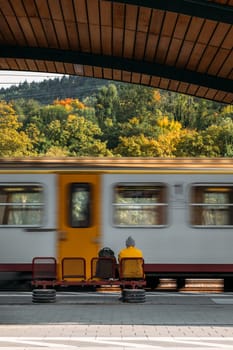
{"points": [[197, 8], [113, 62]]}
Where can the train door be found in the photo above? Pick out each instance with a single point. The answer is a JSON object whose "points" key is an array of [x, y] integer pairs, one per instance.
{"points": [[79, 226]]}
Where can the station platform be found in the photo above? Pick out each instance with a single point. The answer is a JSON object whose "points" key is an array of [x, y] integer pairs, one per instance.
{"points": [[99, 320]]}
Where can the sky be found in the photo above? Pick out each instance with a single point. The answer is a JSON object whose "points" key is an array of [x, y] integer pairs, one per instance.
{"points": [[8, 78]]}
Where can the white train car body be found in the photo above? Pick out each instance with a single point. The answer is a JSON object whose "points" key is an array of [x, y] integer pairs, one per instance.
{"points": [[28, 214], [177, 240]]}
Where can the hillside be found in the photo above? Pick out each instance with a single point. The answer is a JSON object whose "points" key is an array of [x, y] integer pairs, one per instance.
{"points": [[75, 116], [51, 89]]}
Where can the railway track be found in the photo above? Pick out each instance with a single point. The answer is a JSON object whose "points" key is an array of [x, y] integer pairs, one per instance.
{"points": [[207, 285]]}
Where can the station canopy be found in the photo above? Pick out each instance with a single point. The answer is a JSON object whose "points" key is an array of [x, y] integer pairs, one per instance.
{"points": [[185, 46]]}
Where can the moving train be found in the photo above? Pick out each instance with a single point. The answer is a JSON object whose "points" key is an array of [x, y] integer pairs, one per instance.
{"points": [[179, 212]]}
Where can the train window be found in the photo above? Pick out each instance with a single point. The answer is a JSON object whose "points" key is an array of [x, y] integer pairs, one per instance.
{"points": [[211, 205], [80, 205], [140, 205], [21, 205]]}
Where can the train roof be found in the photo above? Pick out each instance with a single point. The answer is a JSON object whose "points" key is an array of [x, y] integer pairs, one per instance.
{"points": [[108, 163]]}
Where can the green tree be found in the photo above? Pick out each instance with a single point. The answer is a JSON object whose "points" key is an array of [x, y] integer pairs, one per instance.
{"points": [[116, 106], [105, 104], [222, 136], [77, 135], [197, 144], [136, 100], [26, 109]]}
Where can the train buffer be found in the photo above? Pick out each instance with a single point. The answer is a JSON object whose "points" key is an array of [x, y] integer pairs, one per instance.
{"points": [[128, 275]]}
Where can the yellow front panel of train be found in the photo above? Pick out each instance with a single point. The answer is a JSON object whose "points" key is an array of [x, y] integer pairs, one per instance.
{"points": [[79, 218]]}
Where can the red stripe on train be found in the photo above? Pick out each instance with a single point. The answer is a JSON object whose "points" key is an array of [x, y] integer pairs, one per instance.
{"points": [[149, 268], [15, 267]]}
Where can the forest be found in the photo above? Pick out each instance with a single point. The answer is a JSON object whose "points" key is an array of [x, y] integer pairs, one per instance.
{"points": [[77, 117]]}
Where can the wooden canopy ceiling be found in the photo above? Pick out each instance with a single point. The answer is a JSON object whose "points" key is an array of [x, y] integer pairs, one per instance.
{"points": [[184, 46]]}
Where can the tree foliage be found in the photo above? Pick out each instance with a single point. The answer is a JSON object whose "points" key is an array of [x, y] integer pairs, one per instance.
{"points": [[13, 141], [114, 120]]}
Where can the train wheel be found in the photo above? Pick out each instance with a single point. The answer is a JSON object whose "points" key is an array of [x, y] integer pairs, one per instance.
{"points": [[44, 295], [133, 295]]}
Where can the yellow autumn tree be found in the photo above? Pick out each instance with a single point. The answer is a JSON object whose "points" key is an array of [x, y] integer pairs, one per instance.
{"points": [[137, 146], [170, 132], [162, 144], [74, 106], [70, 103], [13, 141]]}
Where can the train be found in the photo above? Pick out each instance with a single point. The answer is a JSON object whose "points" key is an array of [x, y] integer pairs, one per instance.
{"points": [[179, 211]]}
